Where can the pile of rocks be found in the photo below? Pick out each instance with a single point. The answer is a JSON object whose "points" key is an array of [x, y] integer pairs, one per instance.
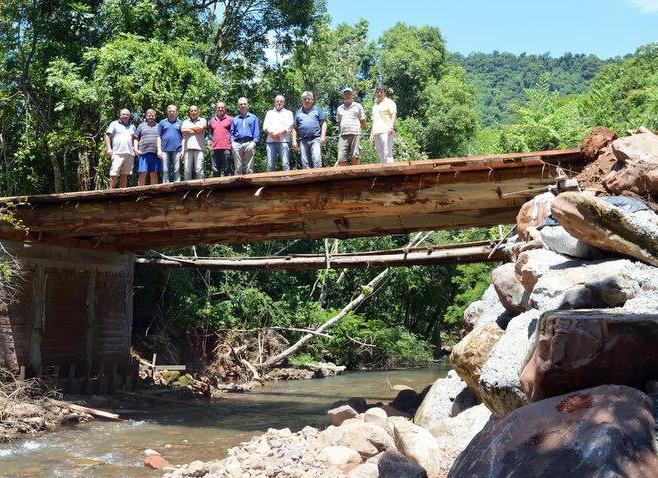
{"points": [[562, 344], [550, 378], [364, 440]]}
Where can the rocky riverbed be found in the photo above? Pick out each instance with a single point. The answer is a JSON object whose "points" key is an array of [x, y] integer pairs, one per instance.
{"points": [[553, 373]]}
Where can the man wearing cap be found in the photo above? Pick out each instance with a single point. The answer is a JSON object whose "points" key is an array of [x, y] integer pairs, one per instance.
{"points": [[220, 131], [309, 133], [119, 147], [351, 119], [245, 133], [384, 114], [277, 125], [194, 144]]}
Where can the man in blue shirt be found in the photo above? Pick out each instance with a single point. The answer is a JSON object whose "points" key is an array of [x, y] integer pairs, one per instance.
{"points": [[309, 133], [245, 133], [171, 139]]}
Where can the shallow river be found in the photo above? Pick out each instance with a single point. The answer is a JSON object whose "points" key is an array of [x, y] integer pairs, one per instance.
{"points": [[186, 433]]}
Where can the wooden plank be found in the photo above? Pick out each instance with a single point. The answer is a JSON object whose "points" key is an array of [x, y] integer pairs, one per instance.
{"points": [[91, 411], [354, 201], [171, 367]]}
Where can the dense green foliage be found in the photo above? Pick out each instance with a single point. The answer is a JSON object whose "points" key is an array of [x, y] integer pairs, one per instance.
{"points": [[502, 79], [70, 66]]}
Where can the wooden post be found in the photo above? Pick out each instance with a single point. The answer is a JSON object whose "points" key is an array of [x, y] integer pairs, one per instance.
{"points": [[91, 320], [38, 317], [21, 373], [155, 356]]}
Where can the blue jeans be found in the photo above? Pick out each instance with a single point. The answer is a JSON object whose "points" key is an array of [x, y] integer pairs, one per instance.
{"points": [[311, 150], [282, 148], [171, 161]]}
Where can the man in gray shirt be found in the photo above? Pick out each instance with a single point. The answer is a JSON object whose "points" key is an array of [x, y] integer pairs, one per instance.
{"points": [[119, 147], [351, 119], [147, 145], [194, 144]]}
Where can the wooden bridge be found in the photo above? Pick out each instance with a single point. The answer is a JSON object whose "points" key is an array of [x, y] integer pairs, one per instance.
{"points": [[72, 313], [364, 200]]}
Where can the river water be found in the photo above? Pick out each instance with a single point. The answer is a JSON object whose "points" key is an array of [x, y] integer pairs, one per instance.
{"points": [[186, 433]]}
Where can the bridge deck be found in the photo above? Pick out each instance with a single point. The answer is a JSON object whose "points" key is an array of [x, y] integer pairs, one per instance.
{"points": [[362, 200]]}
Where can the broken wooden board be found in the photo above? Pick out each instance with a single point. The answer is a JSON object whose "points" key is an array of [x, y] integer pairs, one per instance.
{"points": [[363, 200]]}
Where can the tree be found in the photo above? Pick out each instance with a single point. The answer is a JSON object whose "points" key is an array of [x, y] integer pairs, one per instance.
{"points": [[409, 58]]}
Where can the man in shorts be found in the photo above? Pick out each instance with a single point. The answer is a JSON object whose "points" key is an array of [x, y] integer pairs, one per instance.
{"points": [[119, 147], [351, 119], [147, 144]]}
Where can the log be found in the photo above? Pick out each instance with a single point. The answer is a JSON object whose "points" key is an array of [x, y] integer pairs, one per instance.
{"points": [[362, 200], [451, 254], [91, 411]]}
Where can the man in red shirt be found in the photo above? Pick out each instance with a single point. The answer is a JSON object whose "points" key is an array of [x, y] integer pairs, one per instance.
{"points": [[222, 160]]}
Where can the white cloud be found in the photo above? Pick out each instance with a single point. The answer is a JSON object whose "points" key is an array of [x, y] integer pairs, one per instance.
{"points": [[644, 6]]}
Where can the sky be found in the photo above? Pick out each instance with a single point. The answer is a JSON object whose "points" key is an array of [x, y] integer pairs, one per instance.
{"points": [[607, 28]]}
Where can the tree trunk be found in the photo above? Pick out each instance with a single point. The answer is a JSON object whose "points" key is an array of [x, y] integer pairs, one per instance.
{"points": [[367, 291]]}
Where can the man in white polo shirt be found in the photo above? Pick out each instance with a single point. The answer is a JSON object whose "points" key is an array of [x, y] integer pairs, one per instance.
{"points": [[119, 147], [351, 119], [384, 114], [194, 144], [277, 125]]}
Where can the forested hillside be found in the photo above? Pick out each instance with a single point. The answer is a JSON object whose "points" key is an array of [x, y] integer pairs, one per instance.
{"points": [[69, 67], [502, 79]]}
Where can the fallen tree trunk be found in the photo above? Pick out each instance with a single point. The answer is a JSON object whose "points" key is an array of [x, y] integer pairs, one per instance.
{"points": [[367, 291], [450, 254]]}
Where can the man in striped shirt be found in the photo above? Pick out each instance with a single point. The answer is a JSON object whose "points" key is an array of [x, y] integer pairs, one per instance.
{"points": [[147, 145]]}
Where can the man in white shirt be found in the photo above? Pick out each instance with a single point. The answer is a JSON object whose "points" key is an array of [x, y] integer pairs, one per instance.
{"points": [[384, 114], [351, 119], [277, 125], [194, 144], [119, 147]]}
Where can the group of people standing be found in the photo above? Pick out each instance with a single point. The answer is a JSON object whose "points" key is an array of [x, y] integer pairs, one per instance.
{"points": [[161, 146]]}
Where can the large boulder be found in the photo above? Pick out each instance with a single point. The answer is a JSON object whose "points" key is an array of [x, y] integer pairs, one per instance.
{"points": [[598, 138], [500, 384], [607, 227], [509, 289], [368, 439], [418, 444], [487, 309], [606, 431], [470, 354], [406, 400], [533, 213], [453, 434], [639, 178], [584, 348], [593, 284], [339, 414], [557, 239], [440, 400], [531, 265], [394, 464], [636, 148]]}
